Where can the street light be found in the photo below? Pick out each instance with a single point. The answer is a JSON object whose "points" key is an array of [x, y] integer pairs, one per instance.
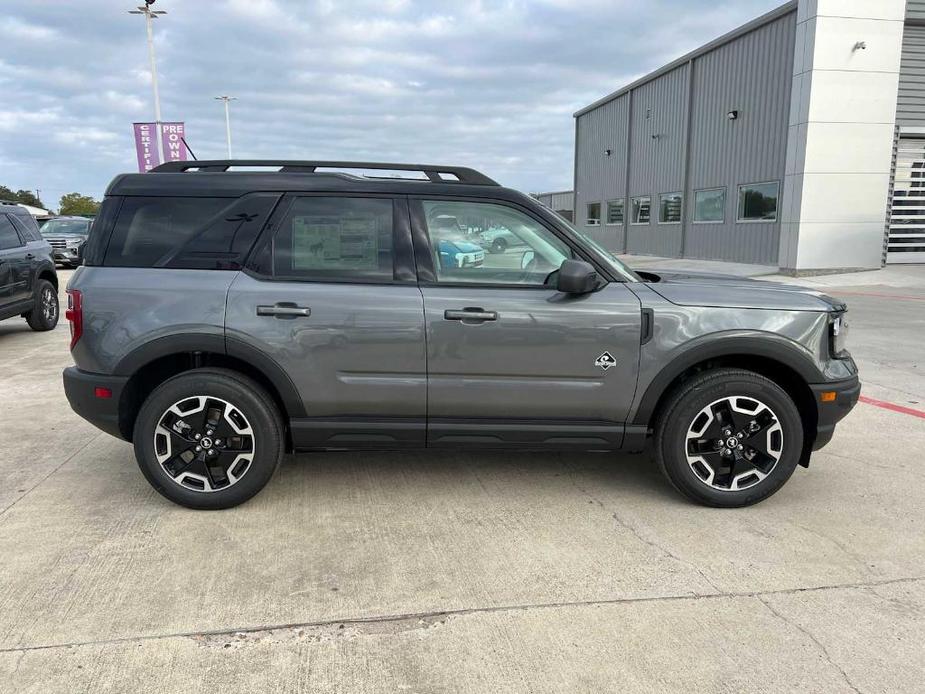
{"points": [[227, 100], [150, 15]]}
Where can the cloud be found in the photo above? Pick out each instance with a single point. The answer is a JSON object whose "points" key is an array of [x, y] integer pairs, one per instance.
{"points": [[485, 84]]}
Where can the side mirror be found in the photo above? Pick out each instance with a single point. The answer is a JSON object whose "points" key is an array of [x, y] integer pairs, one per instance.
{"points": [[576, 277], [527, 259]]}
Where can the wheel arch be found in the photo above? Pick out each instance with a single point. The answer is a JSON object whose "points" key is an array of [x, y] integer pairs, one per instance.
{"points": [[156, 361], [49, 274], [786, 366]]}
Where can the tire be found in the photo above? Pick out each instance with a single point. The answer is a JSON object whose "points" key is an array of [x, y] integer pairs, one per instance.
{"points": [[245, 459], [498, 246], [693, 445], [44, 316]]}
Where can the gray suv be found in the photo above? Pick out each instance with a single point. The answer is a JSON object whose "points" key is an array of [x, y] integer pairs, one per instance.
{"points": [[223, 317]]}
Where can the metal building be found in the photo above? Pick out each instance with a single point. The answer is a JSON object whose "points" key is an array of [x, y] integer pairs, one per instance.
{"points": [[796, 140], [561, 202]]}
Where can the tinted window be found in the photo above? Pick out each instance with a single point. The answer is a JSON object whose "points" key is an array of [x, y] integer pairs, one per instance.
{"points": [[486, 243], [337, 238], [149, 230], [8, 236], [594, 213], [641, 209], [27, 228], [758, 202]]}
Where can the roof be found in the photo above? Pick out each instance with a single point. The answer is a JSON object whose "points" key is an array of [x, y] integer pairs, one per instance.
{"points": [[213, 178], [746, 28]]}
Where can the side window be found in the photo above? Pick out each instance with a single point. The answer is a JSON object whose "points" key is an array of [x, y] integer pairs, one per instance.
{"points": [[335, 238], [8, 236], [486, 243], [25, 234], [150, 229]]}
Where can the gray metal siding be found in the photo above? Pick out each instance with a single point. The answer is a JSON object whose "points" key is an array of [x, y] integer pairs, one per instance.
{"points": [[563, 200], [659, 124], [600, 177], [915, 9], [910, 104], [752, 74]]}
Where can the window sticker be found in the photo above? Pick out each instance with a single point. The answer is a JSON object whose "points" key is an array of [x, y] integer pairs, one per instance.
{"points": [[335, 243]]}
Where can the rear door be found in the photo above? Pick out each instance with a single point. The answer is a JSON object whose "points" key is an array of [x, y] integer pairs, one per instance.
{"points": [[331, 296], [512, 361], [14, 264]]}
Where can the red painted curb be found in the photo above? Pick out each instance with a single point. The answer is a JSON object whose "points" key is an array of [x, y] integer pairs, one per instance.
{"points": [[890, 406]]}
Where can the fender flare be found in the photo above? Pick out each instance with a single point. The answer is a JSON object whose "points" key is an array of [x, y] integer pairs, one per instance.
{"points": [[180, 343], [766, 345]]}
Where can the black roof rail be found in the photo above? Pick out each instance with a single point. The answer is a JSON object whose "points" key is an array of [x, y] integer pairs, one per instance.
{"points": [[436, 174]]}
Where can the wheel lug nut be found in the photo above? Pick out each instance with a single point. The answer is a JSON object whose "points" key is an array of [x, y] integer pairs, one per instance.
{"points": [[740, 436], [740, 447], [198, 448]]}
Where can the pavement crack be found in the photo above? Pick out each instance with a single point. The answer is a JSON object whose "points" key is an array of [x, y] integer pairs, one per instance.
{"points": [[623, 523], [808, 634], [58, 467], [433, 618]]}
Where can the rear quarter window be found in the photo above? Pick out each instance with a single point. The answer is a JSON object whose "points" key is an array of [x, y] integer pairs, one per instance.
{"points": [[184, 232]]}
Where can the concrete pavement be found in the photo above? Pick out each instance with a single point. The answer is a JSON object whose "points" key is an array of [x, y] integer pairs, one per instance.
{"points": [[438, 572]]}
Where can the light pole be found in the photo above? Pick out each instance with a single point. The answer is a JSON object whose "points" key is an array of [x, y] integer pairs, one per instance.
{"points": [[227, 100], [149, 16]]}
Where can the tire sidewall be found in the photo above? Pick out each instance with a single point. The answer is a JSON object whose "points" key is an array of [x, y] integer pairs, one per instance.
{"points": [[673, 438], [36, 319], [244, 395]]}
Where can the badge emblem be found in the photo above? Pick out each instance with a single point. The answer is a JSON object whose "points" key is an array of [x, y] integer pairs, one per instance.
{"points": [[605, 361]]}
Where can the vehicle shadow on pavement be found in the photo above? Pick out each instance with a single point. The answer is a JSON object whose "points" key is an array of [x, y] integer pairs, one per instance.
{"points": [[592, 473]]}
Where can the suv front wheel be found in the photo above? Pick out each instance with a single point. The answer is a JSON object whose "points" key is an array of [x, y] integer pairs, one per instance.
{"points": [[729, 438], [208, 438]]}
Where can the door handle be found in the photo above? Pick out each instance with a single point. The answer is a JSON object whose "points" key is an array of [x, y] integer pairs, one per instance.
{"points": [[471, 313], [284, 310]]}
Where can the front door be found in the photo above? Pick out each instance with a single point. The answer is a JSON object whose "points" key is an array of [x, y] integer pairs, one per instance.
{"points": [[332, 299], [511, 361]]}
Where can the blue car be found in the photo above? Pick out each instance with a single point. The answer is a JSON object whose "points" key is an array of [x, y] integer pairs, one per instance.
{"points": [[459, 253]]}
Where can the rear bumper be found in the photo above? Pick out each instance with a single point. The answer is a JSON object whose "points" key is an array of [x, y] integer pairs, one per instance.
{"points": [[103, 412], [830, 413]]}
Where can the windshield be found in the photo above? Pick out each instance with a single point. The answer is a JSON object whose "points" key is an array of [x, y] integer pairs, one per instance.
{"points": [[618, 267], [66, 227]]}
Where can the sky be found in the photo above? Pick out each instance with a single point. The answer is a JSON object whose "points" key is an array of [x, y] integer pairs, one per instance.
{"points": [[492, 85]]}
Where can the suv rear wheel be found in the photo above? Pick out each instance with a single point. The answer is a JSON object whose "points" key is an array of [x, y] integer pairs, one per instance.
{"points": [[208, 438], [729, 438], [44, 315]]}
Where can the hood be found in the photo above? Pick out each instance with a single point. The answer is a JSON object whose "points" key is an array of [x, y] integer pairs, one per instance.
{"points": [[464, 246], [728, 291]]}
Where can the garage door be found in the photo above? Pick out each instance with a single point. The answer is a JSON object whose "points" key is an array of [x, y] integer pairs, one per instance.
{"points": [[906, 242]]}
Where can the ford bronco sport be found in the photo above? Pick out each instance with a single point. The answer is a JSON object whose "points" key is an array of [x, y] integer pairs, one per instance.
{"points": [[223, 317]]}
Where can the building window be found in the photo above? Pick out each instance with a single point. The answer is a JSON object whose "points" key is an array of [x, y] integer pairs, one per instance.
{"points": [[758, 202], [594, 214], [669, 208], [710, 205], [615, 211], [642, 209]]}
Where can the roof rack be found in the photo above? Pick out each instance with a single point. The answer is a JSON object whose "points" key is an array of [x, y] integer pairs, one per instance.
{"points": [[436, 174]]}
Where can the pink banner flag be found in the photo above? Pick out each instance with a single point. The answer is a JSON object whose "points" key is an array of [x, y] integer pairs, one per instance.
{"points": [[146, 146], [172, 137]]}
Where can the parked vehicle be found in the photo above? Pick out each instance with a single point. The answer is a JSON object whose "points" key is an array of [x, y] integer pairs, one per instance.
{"points": [[67, 236], [28, 282], [224, 317], [499, 239]]}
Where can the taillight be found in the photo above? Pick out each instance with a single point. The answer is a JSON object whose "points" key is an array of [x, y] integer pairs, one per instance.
{"points": [[75, 314]]}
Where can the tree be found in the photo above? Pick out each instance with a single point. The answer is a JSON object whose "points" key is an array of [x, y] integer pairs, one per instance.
{"points": [[26, 197], [75, 203]]}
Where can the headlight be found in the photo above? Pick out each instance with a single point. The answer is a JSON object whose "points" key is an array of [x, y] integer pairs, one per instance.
{"points": [[838, 334], [73, 243]]}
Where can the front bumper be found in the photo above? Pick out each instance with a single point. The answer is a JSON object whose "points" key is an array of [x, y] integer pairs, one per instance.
{"points": [[66, 255], [833, 410], [80, 387]]}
